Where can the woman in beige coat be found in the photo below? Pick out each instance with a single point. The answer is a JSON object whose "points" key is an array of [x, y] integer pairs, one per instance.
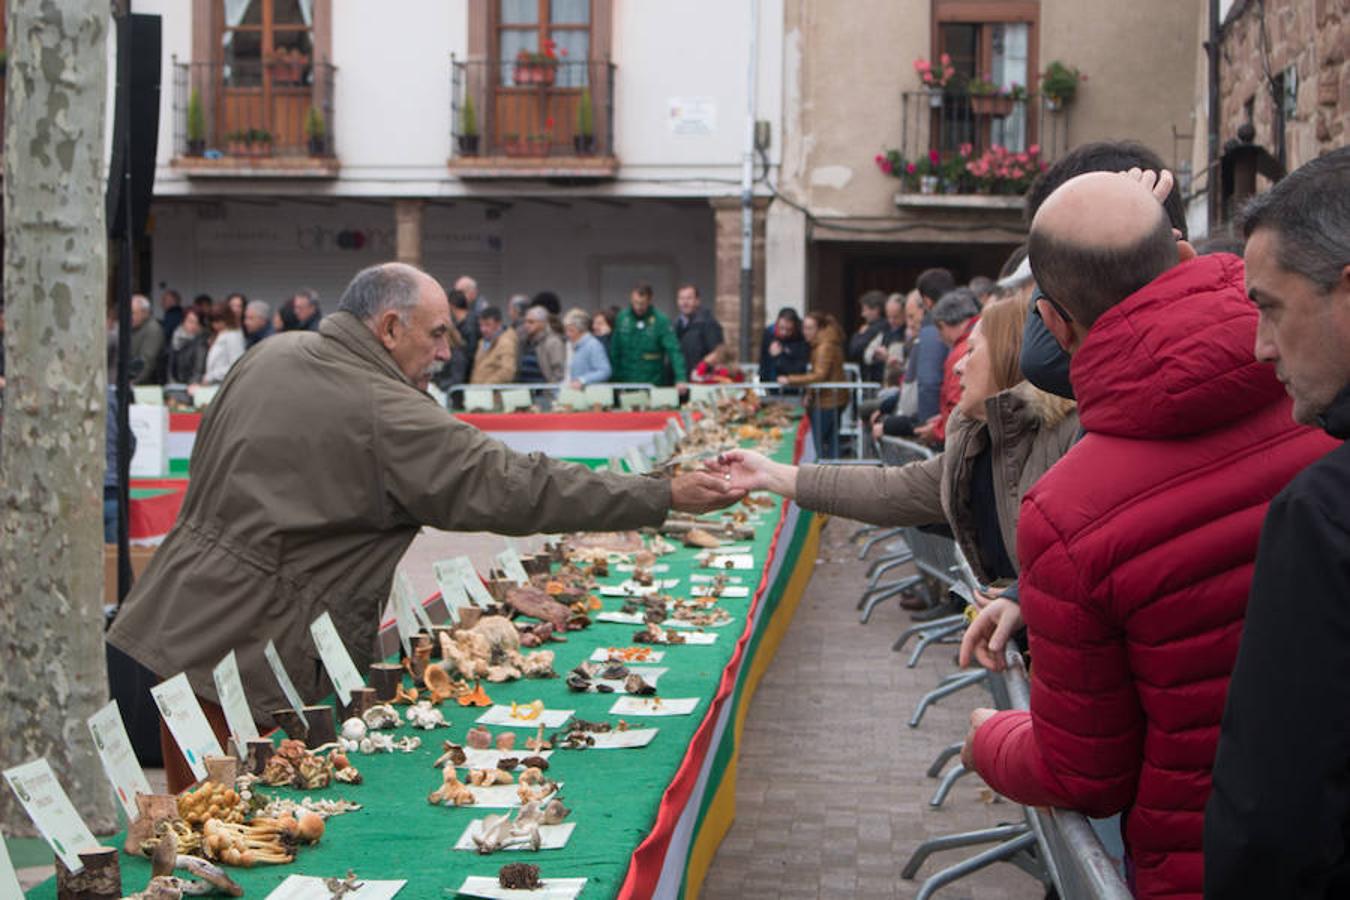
{"points": [[1003, 435]]}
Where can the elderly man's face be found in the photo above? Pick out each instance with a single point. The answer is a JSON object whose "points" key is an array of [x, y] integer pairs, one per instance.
{"points": [[254, 321], [534, 325], [1303, 331], [422, 346], [895, 313], [139, 314]]}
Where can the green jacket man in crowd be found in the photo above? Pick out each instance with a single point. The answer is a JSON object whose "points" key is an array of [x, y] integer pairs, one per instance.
{"points": [[644, 347]]}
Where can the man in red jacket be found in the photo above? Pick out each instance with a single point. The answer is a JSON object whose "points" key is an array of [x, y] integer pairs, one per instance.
{"points": [[1137, 546]]}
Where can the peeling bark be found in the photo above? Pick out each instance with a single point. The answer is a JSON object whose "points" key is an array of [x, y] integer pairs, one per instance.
{"points": [[51, 442]]}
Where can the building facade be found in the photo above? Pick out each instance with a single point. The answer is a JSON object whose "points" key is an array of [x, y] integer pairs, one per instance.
{"points": [[852, 94], [576, 146]]}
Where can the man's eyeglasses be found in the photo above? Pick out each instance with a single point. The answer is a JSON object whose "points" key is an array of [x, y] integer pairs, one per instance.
{"points": [[1039, 294]]}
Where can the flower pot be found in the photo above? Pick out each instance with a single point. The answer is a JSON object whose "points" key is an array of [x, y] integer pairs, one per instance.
{"points": [[468, 144], [259, 148], [236, 147], [1054, 104], [318, 146], [539, 146], [583, 144], [196, 148], [545, 75], [994, 105], [928, 184], [522, 74], [935, 98]]}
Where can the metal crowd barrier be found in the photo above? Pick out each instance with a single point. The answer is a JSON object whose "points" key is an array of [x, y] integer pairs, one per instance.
{"points": [[1072, 853], [545, 393]]}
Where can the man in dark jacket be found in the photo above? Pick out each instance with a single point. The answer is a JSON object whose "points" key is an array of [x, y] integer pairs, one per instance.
{"points": [[699, 334], [1278, 818], [457, 370]]}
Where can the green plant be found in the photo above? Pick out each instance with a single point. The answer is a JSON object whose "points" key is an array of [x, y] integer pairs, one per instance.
{"points": [[258, 136], [196, 117], [1060, 82], [315, 127], [585, 114], [982, 87], [468, 118]]}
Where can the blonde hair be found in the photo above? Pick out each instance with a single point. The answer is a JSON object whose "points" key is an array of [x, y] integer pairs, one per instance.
{"points": [[1001, 327]]}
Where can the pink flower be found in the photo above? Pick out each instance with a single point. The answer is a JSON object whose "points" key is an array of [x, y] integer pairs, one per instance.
{"points": [[922, 65], [934, 157], [945, 59], [910, 168], [887, 167], [966, 150], [880, 158], [1034, 150]]}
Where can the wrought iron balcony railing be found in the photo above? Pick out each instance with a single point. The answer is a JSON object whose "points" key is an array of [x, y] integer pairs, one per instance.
{"points": [[539, 110], [253, 111]]}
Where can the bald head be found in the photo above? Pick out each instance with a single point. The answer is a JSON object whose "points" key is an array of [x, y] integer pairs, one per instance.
{"points": [[1096, 240], [385, 286]]}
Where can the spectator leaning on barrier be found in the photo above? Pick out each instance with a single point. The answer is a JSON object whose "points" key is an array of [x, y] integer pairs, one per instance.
{"points": [[498, 354], [783, 350], [463, 351], [542, 355], [587, 361], [700, 335], [644, 348], [308, 314], [867, 340], [1277, 820], [147, 341], [954, 316], [257, 322], [826, 340], [1137, 547], [258, 553], [186, 363]]}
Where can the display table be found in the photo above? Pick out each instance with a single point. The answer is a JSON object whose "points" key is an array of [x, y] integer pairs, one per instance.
{"points": [[648, 821]]}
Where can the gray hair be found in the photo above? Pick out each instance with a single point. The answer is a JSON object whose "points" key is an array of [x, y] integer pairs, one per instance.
{"points": [[955, 307], [259, 307], [379, 288], [578, 319], [536, 314], [1309, 211], [520, 302], [141, 302]]}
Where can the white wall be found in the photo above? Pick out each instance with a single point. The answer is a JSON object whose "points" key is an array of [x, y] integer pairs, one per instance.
{"points": [[267, 250], [392, 97]]}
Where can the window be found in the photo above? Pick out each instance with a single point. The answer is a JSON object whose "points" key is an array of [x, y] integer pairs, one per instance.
{"points": [[266, 43], [994, 41], [563, 27]]}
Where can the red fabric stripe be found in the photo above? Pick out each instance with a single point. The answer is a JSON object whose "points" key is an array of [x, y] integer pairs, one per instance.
{"points": [[605, 421], [184, 421], [645, 871]]}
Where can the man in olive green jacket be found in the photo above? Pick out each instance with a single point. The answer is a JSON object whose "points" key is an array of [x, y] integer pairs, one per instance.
{"points": [[318, 462], [644, 347]]}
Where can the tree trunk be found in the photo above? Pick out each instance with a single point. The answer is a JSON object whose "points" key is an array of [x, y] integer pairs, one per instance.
{"points": [[51, 440]]}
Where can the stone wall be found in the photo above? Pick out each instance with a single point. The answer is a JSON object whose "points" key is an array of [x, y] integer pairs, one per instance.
{"points": [[1313, 36]]}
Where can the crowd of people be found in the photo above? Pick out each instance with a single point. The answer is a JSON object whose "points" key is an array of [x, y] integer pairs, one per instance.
{"points": [[1140, 454]]}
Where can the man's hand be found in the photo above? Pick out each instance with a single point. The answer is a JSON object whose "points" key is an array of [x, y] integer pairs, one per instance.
{"points": [[700, 492], [984, 598], [575, 384], [925, 431], [782, 379], [880, 354], [746, 470], [977, 718], [878, 429], [775, 348], [1159, 183], [987, 637]]}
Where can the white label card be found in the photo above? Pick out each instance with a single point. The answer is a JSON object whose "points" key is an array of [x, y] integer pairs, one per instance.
{"points": [[637, 461], [47, 805], [665, 398], [551, 837], [415, 607], [501, 715], [553, 888], [336, 660], [230, 687], [284, 679], [9, 879], [119, 760], [308, 887], [187, 723], [573, 398], [599, 395], [509, 562], [688, 419], [468, 577]]}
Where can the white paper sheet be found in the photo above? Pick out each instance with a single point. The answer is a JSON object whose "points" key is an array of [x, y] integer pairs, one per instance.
{"points": [[697, 578], [487, 759], [307, 887], [553, 889], [602, 655], [46, 803], [551, 837], [654, 706], [730, 591], [501, 715], [629, 567], [499, 796], [187, 723], [731, 561], [623, 740], [336, 660], [622, 618], [119, 760], [230, 688]]}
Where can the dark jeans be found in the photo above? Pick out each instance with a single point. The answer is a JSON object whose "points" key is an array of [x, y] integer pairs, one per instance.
{"points": [[825, 432]]}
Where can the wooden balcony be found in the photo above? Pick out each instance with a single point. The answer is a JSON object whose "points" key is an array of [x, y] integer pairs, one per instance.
{"points": [[259, 120], [533, 120]]}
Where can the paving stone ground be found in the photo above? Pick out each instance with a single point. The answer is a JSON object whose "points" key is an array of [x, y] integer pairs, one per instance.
{"points": [[831, 796]]}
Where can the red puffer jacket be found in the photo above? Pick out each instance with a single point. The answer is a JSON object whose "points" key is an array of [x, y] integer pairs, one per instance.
{"points": [[1137, 552]]}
